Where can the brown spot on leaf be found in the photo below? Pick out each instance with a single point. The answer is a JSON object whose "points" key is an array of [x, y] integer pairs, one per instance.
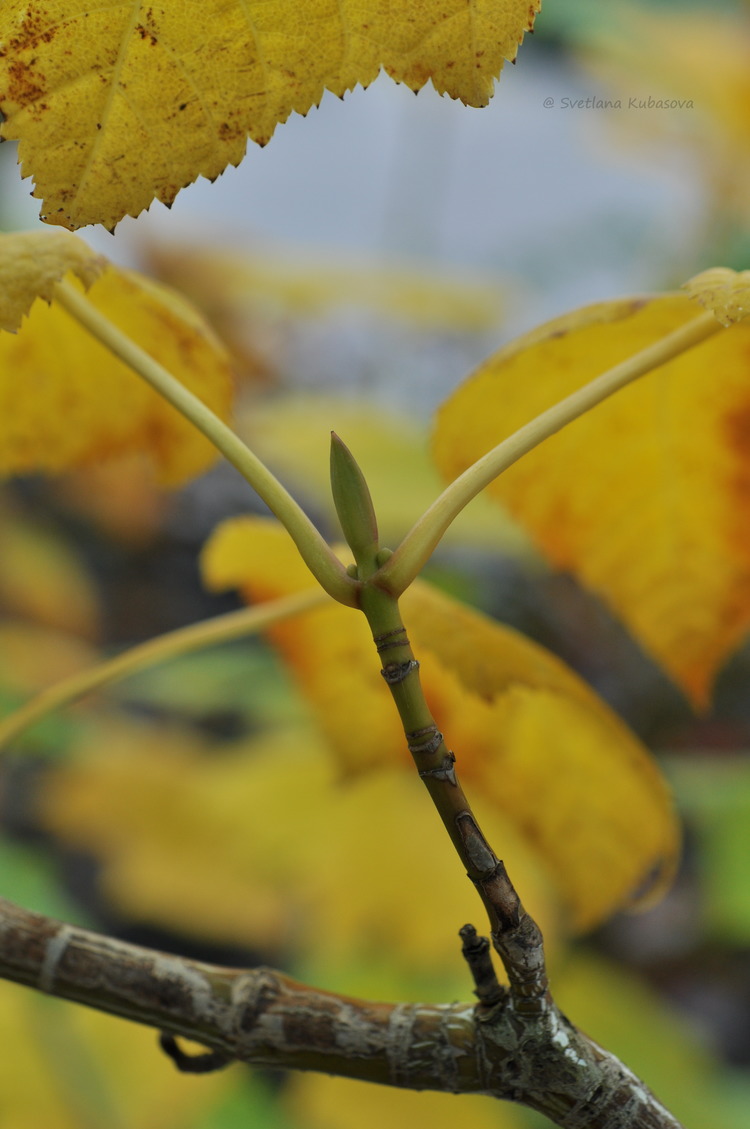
{"points": [[147, 35], [24, 85]]}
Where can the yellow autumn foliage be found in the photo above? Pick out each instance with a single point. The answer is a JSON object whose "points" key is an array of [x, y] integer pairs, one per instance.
{"points": [[65, 400], [116, 106], [529, 735], [43, 579], [265, 846], [644, 498], [291, 281], [210, 846], [32, 656]]}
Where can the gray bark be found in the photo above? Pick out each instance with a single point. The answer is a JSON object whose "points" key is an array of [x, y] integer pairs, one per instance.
{"points": [[511, 1048]]}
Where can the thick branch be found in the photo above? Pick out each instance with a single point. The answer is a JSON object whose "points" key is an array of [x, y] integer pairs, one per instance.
{"points": [[264, 1018], [258, 1016]]}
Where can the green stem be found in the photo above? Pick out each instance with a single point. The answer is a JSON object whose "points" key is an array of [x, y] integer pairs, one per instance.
{"points": [[420, 542], [317, 555], [221, 629], [515, 935]]}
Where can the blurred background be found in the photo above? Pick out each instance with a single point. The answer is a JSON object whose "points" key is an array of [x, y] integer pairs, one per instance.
{"points": [[359, 267]]}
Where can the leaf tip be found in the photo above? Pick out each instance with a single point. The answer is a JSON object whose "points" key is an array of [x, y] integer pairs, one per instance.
{"points": [[31, 265], [722, 291]]}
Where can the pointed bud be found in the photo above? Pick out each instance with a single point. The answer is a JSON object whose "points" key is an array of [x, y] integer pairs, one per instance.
{"points": [[353, 503]]}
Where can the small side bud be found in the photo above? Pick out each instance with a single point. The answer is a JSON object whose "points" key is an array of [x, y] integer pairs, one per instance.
{"points": [[353, 503]]}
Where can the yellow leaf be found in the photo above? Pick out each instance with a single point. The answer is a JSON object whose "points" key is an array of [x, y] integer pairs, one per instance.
{"points": [[318, 1102], [257, 557], [553, 757], [215, 847], [528, 733], [30, 266], [289, 281], [43, 579], [33, 657], [725, 292], [116, 106], [369, 891], [66, 401], [643, 498]]}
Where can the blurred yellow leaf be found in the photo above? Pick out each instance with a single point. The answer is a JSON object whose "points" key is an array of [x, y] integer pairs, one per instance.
{"points": [[230, 287], [117, 106], [644, 498], [69, 1067], [32, 657], [291, 434], [44, 580], [66, 401], [243, 847], [319, 1102], [528, 733], [30, 266], [214, 847]]}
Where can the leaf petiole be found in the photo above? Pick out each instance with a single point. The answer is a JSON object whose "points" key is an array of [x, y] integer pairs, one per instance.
{"points": [[220, 629], [397, 573], [319, 558]]}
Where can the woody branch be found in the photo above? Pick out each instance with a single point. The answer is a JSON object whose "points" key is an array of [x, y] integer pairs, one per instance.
{"points": [[264, 1018]]}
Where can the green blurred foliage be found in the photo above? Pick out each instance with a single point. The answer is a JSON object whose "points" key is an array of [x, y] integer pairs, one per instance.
{"points": [[714, 794]]}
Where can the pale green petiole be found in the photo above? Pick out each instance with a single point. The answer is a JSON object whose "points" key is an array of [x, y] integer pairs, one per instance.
{"points": [[409, 558], [221, 629], [319, 558]]}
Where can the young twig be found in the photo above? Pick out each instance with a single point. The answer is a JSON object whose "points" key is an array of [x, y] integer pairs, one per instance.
{"points": [[476, 952], [515, 935]]}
